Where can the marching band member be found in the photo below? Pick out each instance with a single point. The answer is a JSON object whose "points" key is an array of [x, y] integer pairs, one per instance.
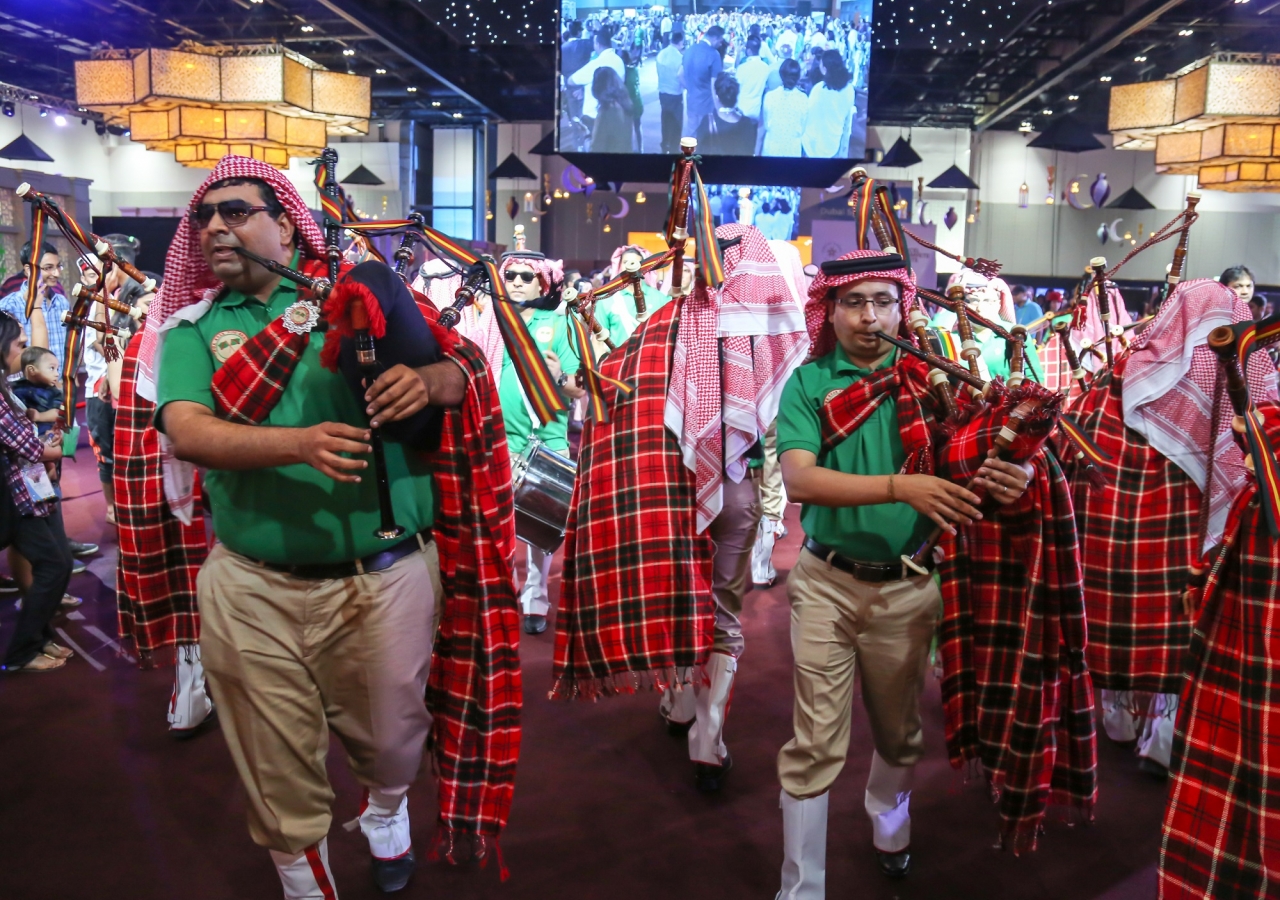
{"points": [[1144, 526], [991, 299], [310, 622], [533, 281], [618, 313], [659, 544]]}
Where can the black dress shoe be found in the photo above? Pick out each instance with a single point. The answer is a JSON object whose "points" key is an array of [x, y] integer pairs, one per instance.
{"points": [[79, 549], [708, 778], [1152, 768], [390, 875], [894, 865], [208, 723], [535, 624]]}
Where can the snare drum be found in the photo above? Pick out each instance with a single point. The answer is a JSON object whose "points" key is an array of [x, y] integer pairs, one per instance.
{"points": [[543, 482]]}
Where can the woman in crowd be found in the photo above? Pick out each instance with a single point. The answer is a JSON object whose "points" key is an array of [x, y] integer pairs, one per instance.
{"points": [[30, 520], [782, 121], [830, 115], [612, 130], [727, 131]]}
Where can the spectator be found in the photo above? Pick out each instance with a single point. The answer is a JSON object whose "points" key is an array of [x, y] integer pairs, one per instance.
{"points": [[784, 112], [45, 328], [1240, 280], [829, 119], [726, 131], [30, 520], [702, 63], [752, 75], [1025, 308], [631, 61], [611, 132], [38, 389], [671, 91], [576, 51]]}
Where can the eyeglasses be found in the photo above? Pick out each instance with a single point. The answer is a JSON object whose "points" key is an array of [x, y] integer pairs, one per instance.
{"points": [[857, 304], [234, 212], [526, 277], [54, 267]]}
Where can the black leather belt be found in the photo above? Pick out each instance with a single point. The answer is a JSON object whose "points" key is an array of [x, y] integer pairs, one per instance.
{"points": [[872, 573], [374, 562]]}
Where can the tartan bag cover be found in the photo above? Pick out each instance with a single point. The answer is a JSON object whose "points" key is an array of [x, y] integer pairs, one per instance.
{"points": [[1016, 690], [907, 381], [251, 382], [1221, 834], [1138, 535], [636, 605], [159, 556], [475, 689]]}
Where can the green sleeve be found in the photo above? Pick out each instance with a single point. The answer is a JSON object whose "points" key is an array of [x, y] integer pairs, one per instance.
{"points": [[186, 369], [563, 346], [798, 425]]}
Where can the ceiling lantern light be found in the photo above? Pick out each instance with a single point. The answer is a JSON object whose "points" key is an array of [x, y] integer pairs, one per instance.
{"points": [[209, 98]]}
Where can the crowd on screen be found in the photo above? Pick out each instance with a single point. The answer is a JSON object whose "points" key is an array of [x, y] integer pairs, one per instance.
{"points": [[774, 210], [743, 83]]}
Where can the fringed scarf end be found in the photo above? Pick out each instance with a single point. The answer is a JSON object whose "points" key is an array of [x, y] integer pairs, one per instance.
{"points": [[567, 687], [457, 846]]}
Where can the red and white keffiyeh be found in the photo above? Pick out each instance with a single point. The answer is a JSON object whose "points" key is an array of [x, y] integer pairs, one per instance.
{"points": [[549, 271], [817, 312], [1169, 388], [735, 350], [440, 282], [188, 280], [789, 261]]}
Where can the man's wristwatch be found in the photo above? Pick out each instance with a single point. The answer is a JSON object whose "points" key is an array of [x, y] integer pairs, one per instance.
{"points": [[563, 379]]}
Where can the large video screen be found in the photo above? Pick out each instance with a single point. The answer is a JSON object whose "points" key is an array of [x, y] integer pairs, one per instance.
{"points": [[758, 81], [774, 210]]}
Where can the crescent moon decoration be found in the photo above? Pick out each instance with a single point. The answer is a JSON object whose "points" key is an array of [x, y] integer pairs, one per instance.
{"points": [[920, 212], [1073, 194], [572, 179], [626, 208], [1113, 234]]}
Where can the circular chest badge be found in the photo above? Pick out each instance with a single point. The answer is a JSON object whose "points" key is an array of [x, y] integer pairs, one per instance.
{"points": [[831, 395], [225, 343], [544, 334]]}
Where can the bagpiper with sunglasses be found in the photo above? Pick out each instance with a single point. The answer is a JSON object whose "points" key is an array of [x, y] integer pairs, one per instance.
{"points": [[533, 282], [854, 436], [309, 621]]}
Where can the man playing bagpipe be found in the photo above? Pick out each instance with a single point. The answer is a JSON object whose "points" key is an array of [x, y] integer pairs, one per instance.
{"points": [[861, 434], [1085, 332], [619, 314], [310, 620], [1223, 814], [533, 281], [667, 502], [1145, 522], [991, 299]]}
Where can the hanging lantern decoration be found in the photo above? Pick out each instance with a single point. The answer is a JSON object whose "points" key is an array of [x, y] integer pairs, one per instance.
{"points": [[1074, 197], [591, 211], [951, 218], [528, 201], [513, 207], [1024, 195], [1048, 198], [1100, 190], [640, 197], [1102, 234]]}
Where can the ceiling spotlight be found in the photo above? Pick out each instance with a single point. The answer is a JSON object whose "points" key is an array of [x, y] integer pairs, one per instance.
{"points": [[1048, 112], [60, 120], [457, 115], [1025, 126], [1073, 96], [99, 128], [1139, 59], [44, 113], [435, 103], [380, 71], [350, 51], [1105, 78], [8, 109], [1186, 32], [411, 89], [307, 29]]}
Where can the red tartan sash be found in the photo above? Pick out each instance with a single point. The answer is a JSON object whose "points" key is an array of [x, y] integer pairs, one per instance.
{"points": [[907, 382]]}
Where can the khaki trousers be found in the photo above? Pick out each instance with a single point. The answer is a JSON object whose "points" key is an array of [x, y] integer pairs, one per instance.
{"points": [[773, 498], [840, 626], [289, 658]]}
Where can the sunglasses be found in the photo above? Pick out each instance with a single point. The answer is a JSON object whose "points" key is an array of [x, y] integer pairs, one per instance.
{"points": [[512, 277], [234, 212]]}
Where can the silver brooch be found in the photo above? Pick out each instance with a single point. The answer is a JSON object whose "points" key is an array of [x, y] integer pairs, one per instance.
{"points": [[301, 317]]}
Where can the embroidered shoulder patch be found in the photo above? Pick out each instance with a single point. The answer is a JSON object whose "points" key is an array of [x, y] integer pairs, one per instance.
{"points": [[225, 343]]}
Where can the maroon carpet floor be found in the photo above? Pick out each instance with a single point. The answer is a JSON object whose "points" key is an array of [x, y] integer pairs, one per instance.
{"points": [[96, 801]]}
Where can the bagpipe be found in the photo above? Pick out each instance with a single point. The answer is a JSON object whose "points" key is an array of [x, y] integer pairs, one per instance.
{"points": [[99, 257]]}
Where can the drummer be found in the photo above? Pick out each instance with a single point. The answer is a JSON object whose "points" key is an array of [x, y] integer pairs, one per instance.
{"points": [[533, 281]]}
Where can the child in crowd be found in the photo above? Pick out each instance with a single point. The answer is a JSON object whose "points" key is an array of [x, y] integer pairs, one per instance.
{"points": [[38, 388]]}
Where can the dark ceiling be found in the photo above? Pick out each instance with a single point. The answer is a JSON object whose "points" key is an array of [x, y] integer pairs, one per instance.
{"points": [[958, 63]]}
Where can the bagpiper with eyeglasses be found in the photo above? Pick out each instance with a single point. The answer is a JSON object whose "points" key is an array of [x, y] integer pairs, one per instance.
{"points": [[533, 282]]}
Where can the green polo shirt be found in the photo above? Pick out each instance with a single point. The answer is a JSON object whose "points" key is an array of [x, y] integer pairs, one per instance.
{"points": [[550, 331], [993, 354], [289, 514], [874, 534], [617, 312]]}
